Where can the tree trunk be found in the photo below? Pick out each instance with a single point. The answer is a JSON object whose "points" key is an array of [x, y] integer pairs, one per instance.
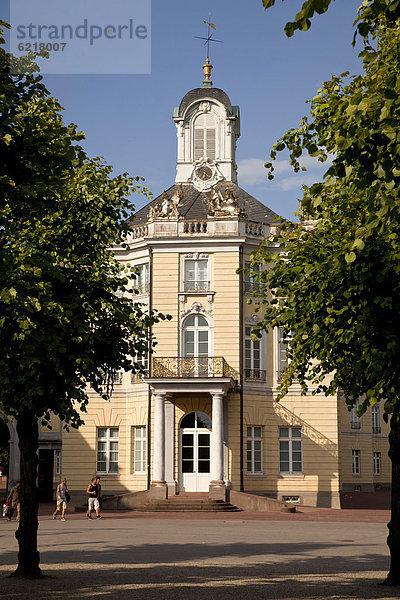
{"points": [[393, 540], [26, 534]]}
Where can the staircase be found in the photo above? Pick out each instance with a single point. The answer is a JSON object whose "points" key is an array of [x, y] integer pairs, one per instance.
{"points": [[189, 503]]}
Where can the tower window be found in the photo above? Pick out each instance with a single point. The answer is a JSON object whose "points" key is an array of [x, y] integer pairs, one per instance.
{"points": [[204, 137]]}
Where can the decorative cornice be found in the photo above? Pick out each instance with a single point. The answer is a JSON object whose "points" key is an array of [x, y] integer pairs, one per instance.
{"points": [[196, 256]]}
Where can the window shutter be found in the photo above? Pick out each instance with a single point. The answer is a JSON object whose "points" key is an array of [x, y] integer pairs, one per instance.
{"points": [[198, 143], [210, 143]]}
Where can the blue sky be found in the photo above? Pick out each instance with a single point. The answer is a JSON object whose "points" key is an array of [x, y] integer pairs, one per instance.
{"points": [[127, 118]]}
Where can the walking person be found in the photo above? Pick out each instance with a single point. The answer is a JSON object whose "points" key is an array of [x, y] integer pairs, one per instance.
{"points": [[14, 501], [99, 494], [61, 496], [93, 498]]}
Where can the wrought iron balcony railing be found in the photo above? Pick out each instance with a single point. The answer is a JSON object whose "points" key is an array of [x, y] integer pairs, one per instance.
{"points": [[255, 375], [376, 429], [196, 286], [355, 424], [193, 366]]}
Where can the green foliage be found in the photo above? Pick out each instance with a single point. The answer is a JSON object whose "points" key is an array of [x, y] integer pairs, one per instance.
{"points": [[336, 278], [367, 22], [66, 314]]}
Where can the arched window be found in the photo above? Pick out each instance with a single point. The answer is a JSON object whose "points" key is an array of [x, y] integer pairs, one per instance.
{"points": [[195, 336], [204, 137], [195, 340], [196, 420]]}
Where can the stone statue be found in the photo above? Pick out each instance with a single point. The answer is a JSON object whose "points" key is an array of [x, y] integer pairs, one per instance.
{"points": [[224, 206], [167, 208]]}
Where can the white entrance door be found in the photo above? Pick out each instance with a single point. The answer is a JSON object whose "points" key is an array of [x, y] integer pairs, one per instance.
{"points": [[195, 452]]}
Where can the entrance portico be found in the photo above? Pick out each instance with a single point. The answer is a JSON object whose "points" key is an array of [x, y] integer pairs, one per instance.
{"points": [[199, 440]]}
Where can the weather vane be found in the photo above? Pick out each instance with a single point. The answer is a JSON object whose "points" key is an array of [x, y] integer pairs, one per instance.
{"points": [[209, 37]]}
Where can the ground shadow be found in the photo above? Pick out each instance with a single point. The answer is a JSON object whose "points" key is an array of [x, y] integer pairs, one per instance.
{"points": [[204, 571]]}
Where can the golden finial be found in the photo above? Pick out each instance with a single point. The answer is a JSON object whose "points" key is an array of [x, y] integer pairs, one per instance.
{"points": [[207, 71]]}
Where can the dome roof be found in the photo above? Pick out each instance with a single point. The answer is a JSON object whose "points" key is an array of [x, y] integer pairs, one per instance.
{"points": [[205, 93]]}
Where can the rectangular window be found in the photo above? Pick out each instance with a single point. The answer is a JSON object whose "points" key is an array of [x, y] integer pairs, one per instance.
{"points": [[249, 284], [283, 360], [355, 455], [196, 276], [119, 377], [376, 418], [290, 450], [107, 449], [252, 357], [377, 463], [141, 282], [139, 449], [57, 462], [137, 377], [254, 449], [355, 421]]}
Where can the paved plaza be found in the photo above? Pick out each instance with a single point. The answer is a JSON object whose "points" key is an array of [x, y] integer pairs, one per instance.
{"points": [[313, 554]]}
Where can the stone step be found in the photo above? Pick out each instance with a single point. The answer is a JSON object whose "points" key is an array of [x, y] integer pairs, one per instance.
{"points": [[183, 508], [185, 504]]}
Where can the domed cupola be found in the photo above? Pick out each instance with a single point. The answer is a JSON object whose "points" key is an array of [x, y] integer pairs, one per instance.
{"points": [[207, 129]]}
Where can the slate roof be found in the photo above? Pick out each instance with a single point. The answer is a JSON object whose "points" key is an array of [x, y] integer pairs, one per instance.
{"points": [[194, 204], [199, 93]]}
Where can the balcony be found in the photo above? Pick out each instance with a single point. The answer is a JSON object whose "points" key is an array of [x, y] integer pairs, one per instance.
{"points": [[376, 429], [255, 375], [192, 367], [196, 286], [355, 424]]}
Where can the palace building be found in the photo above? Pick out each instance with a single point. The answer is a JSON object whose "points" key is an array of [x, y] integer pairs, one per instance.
{"points": [[204, 417]]}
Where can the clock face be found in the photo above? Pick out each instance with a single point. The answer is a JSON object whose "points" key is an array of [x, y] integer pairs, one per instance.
{"points": [[204, 173]]}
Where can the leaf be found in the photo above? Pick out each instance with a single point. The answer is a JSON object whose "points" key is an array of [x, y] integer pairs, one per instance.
{"points": [[350, 257], [358, 244]]}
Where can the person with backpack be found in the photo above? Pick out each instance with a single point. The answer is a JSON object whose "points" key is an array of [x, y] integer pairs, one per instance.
{"points": [[61, 496]]}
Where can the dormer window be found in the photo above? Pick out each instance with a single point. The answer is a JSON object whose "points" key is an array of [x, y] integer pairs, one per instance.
{"points": [[204, 137]]}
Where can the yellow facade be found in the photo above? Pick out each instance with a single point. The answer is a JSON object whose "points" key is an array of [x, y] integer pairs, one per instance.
{"points": [[326, 470], [205, 415]]}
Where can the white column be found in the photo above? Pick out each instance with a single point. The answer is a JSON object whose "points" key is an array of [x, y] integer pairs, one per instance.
{"points": [[217, 437], [159, 439], [170, 446]]}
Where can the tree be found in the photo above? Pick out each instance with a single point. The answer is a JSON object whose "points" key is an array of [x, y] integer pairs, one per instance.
{"points": [[335, 275], [367, 22], [66, 318]]}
